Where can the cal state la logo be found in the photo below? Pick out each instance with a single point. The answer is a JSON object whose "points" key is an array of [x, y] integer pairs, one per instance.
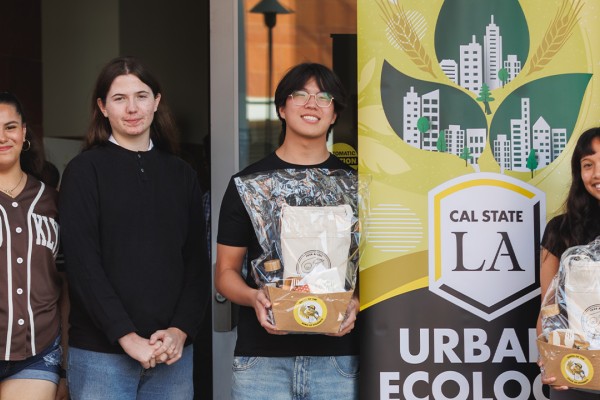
{"points": [[485, 231]]}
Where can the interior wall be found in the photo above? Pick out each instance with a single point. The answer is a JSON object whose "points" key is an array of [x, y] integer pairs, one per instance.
{"points": [[21, 57], [172, 38], [78, 37]]}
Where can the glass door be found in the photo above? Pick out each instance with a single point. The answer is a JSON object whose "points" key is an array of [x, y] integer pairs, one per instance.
{"points": [[244, 125]]}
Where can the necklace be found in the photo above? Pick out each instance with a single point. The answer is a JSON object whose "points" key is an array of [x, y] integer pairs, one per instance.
{"points": [[9, 191]]}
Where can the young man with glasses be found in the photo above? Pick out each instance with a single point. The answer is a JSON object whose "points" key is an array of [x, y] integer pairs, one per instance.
{"points": [[269, 363]]}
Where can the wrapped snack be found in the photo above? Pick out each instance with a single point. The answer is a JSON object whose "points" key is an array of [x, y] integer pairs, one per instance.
{"points": [[570, 341], [306, 222]]}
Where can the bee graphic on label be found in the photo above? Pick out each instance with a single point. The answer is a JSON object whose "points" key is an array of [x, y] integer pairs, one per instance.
{"points": [[576, 369], [310, 311]]}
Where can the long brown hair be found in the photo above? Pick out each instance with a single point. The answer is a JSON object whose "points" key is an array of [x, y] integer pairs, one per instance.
{"points": [[163, 130], [580, 222]]}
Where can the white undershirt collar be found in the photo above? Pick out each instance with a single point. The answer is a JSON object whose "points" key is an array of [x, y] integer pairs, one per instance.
{"points": [[112, 139]]}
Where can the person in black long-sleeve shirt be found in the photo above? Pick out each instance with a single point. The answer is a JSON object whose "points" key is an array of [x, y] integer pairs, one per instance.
{"points": [[133, 235]]}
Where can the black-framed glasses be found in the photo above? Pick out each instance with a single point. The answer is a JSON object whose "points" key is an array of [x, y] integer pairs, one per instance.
{"points": [[301, 97]]}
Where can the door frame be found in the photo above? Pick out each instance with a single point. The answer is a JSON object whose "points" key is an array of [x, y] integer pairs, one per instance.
{"points": [[224, 123]]}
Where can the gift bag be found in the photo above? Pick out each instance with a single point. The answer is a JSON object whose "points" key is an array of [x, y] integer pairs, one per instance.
{"points": [[582, 298], [306, 222], [316, 239]]}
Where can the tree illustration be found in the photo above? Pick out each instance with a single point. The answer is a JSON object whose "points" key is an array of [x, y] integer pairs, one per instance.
{"points": [[423, 126], [465, 154], [441, 145], [532, 162], [503, 76], [485, 96]]}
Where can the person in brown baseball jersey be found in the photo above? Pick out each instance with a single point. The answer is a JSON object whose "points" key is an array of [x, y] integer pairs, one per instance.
{"points": [[29, 281]]}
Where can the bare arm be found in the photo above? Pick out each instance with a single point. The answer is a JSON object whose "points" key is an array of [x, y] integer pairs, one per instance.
{"points": [[230, 283], [228, 275]]}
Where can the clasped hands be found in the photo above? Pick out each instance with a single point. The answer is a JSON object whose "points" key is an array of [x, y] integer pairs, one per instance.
{"points": [[164, 346]]}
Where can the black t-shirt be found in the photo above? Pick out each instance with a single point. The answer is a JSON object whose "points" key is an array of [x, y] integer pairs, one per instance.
{"points": [[553, 228], [235, 229]]}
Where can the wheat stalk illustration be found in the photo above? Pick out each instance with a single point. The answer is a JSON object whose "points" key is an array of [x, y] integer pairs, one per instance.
{"points": [[404, 36], [556, 36]]}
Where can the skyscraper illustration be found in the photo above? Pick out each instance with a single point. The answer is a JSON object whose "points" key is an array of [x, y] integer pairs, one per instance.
{"points": [[512, 66], [455, 139], [476, 143], [541, 142], [492, 47], [411, 114], [559, 141], [520, 137], [415, 107], [470, 73], [450, 68], [502, 152], [430, 108]]}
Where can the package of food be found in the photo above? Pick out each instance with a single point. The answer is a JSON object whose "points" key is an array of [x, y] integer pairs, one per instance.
{"points": [[570, 341], [306, 222]]}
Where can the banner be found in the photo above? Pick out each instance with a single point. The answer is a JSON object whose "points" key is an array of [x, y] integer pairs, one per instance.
{"points": [[468, 113]]}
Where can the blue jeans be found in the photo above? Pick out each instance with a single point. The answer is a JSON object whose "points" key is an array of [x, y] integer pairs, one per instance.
{"points": [[295, 378], [92, 375], [44, 366]]}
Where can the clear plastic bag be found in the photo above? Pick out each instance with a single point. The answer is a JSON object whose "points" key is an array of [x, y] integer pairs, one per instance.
{"points": [[307, 225], [571, 307], [570, 318]]}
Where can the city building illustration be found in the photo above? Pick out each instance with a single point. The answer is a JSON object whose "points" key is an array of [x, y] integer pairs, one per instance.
{"points": [[427, 105], [450, 68], [464, 108], [512, 66], [470, 67], [480, 64], [512, 150], [492, 46]]}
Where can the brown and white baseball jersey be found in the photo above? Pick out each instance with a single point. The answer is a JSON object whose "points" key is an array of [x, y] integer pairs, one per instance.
{"points": [[29, 280]]}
